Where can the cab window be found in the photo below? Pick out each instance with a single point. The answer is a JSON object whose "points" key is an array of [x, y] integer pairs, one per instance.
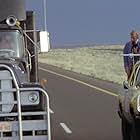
{"points": [[11, 44]]}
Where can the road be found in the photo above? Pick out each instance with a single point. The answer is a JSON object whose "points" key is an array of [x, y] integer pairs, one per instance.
{"points": [[82, 108]]}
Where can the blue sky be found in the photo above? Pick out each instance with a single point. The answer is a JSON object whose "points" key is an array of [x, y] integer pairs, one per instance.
{"points": [[88, 21]]}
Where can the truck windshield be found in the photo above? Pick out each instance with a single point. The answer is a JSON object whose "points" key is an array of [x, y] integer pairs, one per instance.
{"points": [[11, 44]]}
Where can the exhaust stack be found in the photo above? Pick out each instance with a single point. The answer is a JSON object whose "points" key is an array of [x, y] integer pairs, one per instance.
{"points": [[15, 8]]}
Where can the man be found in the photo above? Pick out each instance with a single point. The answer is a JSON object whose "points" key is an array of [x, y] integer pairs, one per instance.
{"points": [[131, 47], [5, 42]]}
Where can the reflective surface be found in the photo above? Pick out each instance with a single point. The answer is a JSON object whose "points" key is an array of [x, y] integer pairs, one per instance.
{"points": [[11, 44]]}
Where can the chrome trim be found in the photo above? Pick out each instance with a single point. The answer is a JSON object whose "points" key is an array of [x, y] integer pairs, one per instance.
{"points": [[138, 103], [48, 106], [18, 99], [18, 90]]}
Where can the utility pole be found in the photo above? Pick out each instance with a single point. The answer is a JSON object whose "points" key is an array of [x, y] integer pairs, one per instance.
{"points": [[44, 35], [45, 14]]}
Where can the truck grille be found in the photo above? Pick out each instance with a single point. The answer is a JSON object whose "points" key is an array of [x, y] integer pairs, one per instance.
{"points": [[6, 98], [15, 124]]}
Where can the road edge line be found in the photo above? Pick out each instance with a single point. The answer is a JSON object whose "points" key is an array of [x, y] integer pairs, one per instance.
{"points": [[81, 82], [66, 128]]}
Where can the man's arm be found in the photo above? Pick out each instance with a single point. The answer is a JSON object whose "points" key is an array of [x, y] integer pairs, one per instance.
{"points": [[139, 47]]}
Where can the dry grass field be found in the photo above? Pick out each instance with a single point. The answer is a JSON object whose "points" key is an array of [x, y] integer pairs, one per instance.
{"points": [[103, 62]]}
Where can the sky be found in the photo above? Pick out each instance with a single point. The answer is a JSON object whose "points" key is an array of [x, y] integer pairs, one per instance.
{"points": [[88, 21]]}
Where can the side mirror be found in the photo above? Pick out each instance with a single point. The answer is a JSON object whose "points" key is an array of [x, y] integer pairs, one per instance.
{"points": [[44, 41], [125, 85]]}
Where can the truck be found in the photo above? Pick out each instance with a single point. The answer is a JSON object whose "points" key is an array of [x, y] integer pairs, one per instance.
{"points": [[24, 101]]}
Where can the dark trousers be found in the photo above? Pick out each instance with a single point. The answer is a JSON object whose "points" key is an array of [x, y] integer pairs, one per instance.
{"points": [[126, 129]]}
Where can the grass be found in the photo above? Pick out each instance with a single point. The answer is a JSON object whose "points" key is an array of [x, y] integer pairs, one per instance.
{"points": [[103, 62]]}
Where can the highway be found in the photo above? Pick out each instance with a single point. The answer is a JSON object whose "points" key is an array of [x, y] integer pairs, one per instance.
{"points": [[82, 108]]}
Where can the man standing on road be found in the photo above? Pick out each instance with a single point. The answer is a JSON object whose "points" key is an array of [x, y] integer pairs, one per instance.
{"points": [[132, 46]]}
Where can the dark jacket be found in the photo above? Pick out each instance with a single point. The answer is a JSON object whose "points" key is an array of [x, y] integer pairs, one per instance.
{"points": [[128, 61]]}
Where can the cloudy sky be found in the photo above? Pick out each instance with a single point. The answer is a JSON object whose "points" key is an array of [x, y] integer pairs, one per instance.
{"points": [[88, 21]]}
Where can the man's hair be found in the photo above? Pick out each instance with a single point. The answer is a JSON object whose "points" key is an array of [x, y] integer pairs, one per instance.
{"points": [[134, 32]]}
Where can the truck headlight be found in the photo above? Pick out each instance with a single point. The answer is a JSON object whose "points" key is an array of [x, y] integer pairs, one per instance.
{"points": [[30, 98], [33, 97]]}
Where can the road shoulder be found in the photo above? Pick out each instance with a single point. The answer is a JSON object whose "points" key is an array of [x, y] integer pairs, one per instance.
{"points": [[106, 85]]}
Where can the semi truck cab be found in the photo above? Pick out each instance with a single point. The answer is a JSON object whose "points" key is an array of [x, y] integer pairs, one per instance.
{"points": [[24, 103]]}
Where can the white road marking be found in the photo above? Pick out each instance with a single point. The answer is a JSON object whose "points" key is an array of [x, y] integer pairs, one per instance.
{"points": [[65, 127], [51, 111], [80, 82]]}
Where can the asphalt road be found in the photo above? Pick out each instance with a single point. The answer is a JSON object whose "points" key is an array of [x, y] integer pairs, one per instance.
{"points": [[82, 108]]}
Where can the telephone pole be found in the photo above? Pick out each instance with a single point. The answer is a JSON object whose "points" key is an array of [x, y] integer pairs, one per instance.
{"points": [[45, 14]]}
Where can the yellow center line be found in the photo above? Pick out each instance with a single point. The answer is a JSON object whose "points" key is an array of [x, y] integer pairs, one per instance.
{"points": [[81, 82]]}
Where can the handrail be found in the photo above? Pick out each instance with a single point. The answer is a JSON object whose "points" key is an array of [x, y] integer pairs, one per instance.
{"points": [[130, 54], [18, 99], [48, 106], [18, 90]]}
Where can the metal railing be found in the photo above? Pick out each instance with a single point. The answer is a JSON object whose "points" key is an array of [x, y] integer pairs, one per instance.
{"points": [[18, 99], [18, 92]]}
